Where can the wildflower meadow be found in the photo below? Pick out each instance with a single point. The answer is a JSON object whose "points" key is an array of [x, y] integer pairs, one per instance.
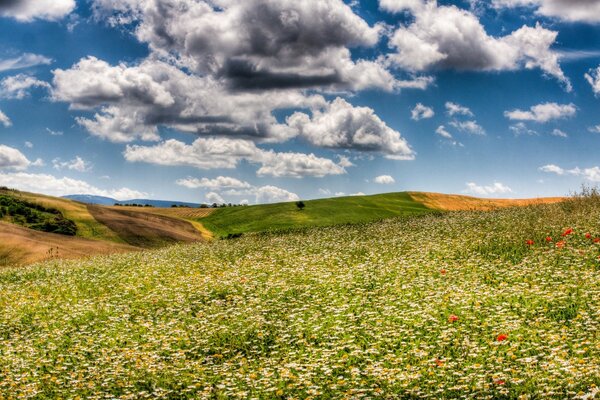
{"points": [[489, 305]]}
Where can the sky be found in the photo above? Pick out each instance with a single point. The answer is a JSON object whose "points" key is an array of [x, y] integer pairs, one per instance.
{"points": [[257, 101]]}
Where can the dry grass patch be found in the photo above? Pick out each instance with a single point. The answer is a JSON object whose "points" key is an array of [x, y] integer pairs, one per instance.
{"points": [[450, 202]]}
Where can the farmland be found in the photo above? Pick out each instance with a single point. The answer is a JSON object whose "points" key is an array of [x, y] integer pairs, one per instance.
{"points": [[496, 304]]}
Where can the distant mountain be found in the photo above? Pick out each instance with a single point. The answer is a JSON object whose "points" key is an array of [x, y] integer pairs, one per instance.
{"points": [[107, 201]]}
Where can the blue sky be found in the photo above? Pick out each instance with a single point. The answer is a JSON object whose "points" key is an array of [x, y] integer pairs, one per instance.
{"points": [[264, 100]]}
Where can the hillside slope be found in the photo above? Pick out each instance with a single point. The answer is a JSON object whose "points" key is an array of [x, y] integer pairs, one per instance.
{"points": [[348, 210], [20, 246], [323, 212]]}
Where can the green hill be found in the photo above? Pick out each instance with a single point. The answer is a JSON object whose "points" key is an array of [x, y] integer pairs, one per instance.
{"points": [[323, 212]]}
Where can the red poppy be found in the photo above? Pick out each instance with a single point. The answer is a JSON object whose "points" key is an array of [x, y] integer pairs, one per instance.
{"points": [[452, 318], [588, 235], [529, 242], [499, 382], [596, 240], [439, 362], [443, 272], [567, 232], [502, 337], [548, 239], [560, 244]]}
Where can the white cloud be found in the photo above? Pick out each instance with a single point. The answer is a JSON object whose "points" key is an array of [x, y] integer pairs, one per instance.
{"points": [[441, 130], [470, 127], [213, 197], [566, 10], [213, 153], [542, 113], [591, 174], [494, 189], [134, 100], [456, 109], [29, 10], [520, 129], [296, 165], [401, 5], [450, 37], [51, 185], [594, 129], [299, 44], [421, 112], [203, 153], [54, 133], [385, 180], [28, 144], [593, 78], [18, 86], [341, 125], [4, 120], [559, 133], [77, 164], [23, 61], [11, 158], [273, 194], [219, 183]]}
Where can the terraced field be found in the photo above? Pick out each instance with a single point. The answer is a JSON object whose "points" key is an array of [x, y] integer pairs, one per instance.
{"points": [[502, 304]]}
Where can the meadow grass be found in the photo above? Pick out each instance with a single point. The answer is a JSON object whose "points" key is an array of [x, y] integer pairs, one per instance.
{"points": [[434, 306], [322, 212]]}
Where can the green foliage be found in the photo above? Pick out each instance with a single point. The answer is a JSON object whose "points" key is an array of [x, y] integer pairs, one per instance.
{"points": [[325, 212], [300, 205], [35, 216]]}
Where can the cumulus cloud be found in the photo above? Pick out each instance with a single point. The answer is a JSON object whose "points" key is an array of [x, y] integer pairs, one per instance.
{"points": [[258, 44], [559, 133], [594, 129], [18, 86], [134, 100], [11, 158], [470, 127], [235, 187], [219, 183], [212, 153], [453, 38], [421, 112], [494, 189], [591, 174], [593, 78], [520, 129], [542, 113], [341, 125], [4, 120], [273, 194], [453, 109], [213, 197], [51, 185], [29, 10], [77, 164], [26, 60], [395, 6], [441, 130], [385, 180], [566, 10]]}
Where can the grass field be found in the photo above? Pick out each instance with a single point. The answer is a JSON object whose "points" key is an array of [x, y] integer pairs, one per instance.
{"points": [[502, 304], [324, 212]]}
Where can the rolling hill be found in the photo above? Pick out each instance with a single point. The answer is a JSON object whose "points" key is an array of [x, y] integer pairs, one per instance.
{"points": [[107, 229], [109, 201], [347, 210]]}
